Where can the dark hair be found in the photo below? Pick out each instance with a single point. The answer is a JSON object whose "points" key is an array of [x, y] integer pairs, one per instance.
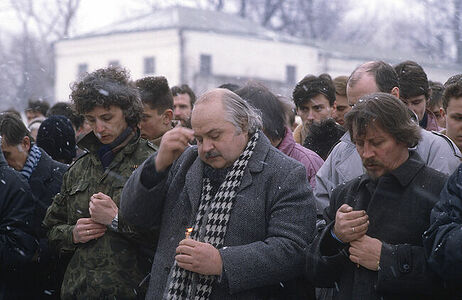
{"points": [[65, 109], [230, 86], [12, 129], [38, 105], [289, 109], [413, 80], [106, 87], [340, 84], [384, 74], [386, 111], [57, 137], [271, 110], [13, 112], [184, 89], [155, 92], [452, 89], [323, 136], [311, 86], [436, 93]]}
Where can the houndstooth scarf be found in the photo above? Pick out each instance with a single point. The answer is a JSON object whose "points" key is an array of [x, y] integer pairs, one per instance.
{"points": [[180, 287]]}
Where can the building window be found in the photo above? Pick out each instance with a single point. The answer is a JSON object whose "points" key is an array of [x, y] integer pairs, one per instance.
{"points": [[291, 73], [82, 69], [149, 65], [113, 63], [206, 64]]}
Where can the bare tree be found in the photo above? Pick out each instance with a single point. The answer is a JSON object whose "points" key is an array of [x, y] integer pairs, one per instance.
{"points": [[30, 52], [457, 29]]}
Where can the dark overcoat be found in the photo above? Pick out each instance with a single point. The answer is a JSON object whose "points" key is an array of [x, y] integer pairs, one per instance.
{"points": [[18, 242], [443, 240], [398, 205], [271, 221]]}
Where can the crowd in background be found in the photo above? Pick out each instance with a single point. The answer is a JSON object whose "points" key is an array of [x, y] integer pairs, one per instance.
{"points": [[348, 189]]}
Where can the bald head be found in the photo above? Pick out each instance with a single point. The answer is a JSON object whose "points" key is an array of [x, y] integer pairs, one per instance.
{"points": [[236, 110], [371, 77]]}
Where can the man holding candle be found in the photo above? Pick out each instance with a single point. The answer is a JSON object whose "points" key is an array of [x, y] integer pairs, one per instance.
{"points": [[250, 207]]}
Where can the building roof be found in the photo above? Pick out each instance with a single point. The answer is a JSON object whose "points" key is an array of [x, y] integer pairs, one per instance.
{"points": [[365, 52], [188, 18]]}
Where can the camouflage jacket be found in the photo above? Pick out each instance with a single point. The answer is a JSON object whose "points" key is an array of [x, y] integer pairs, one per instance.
{"points": [[113, 266]]}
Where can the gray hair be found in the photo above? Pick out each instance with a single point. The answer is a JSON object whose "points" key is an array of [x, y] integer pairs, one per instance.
{"points": [[237, 111]]}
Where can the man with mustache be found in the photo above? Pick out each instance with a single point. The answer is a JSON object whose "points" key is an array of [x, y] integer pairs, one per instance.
{"points": [[249, 205], [372, 245], [344, 163]]}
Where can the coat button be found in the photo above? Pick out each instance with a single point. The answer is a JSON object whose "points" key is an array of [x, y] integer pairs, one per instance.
{"points": [[167, 269]]}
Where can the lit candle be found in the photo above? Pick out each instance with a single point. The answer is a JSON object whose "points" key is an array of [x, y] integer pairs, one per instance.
{"points": [[188, 233]]}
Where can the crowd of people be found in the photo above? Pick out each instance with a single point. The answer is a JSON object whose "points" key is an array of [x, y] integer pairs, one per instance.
{"points": [[349, 189]]}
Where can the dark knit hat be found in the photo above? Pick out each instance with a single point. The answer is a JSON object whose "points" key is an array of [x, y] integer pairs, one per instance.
{"points": [[57, 137]]}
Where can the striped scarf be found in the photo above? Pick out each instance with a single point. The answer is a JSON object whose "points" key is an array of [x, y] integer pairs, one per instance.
{"points": [[219, 210], [32, 161]]}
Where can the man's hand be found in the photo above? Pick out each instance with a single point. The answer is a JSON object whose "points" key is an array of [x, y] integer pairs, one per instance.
{"points": [[350, 224], [102, 209], [199, 257], [173, 144], [366, 251], [86, 229]]}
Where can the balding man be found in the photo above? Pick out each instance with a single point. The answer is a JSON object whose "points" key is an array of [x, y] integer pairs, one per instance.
{"points": [[344, 163], [249, 207]]}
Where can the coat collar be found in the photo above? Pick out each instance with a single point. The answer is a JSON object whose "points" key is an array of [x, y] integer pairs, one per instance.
{"points": [[193, 180], [288, 143], [91, 143], [404, 173]]}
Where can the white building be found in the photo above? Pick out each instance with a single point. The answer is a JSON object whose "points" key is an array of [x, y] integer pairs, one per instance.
{"points": [[207, 48], [201, 48]]}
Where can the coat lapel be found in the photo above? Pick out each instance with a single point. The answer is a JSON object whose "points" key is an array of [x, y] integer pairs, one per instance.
{"points": [[193, 184], [256, 162]]}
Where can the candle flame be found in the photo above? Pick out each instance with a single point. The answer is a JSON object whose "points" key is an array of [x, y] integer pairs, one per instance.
{"points": [[189, 230]]}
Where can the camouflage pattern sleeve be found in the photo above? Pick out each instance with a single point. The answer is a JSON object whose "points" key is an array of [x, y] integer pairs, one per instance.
{"points": [[55, 221]]}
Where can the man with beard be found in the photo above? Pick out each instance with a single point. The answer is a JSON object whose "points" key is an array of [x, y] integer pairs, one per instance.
{"points": [[372, 245], [249, 206], [344, 163]]}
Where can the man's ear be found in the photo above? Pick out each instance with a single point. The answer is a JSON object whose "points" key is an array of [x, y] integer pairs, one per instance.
{"points": [[26, 143], [395, 92], [167, 116]]}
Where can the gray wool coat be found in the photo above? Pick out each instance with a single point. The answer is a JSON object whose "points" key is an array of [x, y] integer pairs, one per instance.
{"points": [[270, 225]]}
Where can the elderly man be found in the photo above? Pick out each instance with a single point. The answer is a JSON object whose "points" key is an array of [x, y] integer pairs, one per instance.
{"points": [[83, 220], [249, 206], [344, 163], [372, 246]]}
